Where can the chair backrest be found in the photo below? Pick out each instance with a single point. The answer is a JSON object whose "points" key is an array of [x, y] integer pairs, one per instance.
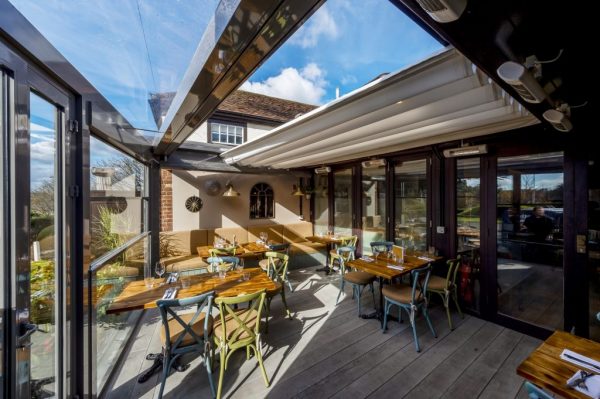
{"points": [[344, 255], [349, 241], [217, 262], [277, 265], [381, 246], [203, 303], [453, 266], [228, 312], [420, 280], [536, 392], [283, 248], [229, 251]]}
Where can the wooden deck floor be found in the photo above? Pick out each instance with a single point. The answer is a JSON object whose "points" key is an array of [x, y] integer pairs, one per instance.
{"points": [[327, 351]]}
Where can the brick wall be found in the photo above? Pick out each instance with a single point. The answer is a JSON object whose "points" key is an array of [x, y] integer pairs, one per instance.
{"points": [[166, 200]]}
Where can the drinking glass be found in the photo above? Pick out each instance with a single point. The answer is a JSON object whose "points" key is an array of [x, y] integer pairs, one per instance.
{"points": [[222, 273], [375, 253], [159, 269]]}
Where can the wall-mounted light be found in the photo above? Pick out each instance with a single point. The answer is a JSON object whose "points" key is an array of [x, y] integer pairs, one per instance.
{"points": [[465, 151], [323, 170], [559, 118], [296, 191], [523, 80], [373, 163], [230, 192]]}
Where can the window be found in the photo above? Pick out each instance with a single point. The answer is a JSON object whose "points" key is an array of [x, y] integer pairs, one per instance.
{"points": [[225, 133], [467, 204], [261, 202], [410, 228]]}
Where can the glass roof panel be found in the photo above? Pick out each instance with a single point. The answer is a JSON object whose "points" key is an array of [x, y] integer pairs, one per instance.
{"points": [[130, 50], [344, 45]]}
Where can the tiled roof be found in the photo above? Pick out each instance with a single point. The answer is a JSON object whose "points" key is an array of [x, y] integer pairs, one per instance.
{"points": [[261, 106]]}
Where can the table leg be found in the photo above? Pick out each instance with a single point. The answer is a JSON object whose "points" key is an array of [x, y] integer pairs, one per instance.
{"points": [[326, 268], [378, 314], [156, 367]]}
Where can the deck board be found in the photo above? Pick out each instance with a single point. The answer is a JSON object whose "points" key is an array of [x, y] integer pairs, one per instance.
{"points": [[327, 351]]}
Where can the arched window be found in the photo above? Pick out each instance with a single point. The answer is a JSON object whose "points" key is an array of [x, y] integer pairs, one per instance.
{"points": [[262, 205]]}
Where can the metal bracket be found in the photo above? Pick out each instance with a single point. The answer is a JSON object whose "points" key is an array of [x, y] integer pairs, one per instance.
{"points": [[73, 125]]}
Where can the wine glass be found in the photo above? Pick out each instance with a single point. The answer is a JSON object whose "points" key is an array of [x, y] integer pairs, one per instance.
{"points": [[159, 268], [263, 237], [375, 253]]}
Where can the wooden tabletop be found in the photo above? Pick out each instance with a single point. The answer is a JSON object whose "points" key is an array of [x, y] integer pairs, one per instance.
{"points": [[135, 295], [546, 369], [380, 267], [325, 239]]}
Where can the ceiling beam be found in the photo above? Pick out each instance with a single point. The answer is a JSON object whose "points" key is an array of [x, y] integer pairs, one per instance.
{"points": [[241, 36]]}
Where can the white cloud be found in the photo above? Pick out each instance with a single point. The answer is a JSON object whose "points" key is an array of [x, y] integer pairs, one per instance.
{"points": [[321, 24], [306, 85]]}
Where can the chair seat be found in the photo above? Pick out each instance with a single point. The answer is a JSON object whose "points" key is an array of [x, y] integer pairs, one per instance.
{"points": [[436, 283], [401, 293], [264, 264], [232, 324], [361, 278], [176, 329]]}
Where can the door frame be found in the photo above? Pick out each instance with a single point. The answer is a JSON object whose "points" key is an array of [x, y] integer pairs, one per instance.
{"points": [[26, 78]]}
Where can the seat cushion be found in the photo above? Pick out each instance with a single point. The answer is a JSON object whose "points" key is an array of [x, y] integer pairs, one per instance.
{"points": [[184, 263], [306, 247], [361, 278], [176, 329], [297, 232], [436, 283], [232, 324], [400, 293], [263, 263]]}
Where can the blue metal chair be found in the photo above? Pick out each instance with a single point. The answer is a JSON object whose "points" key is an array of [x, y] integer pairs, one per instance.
{"points": [[381, 246], [536, 392], [359, 280], [410, 298], [186, 333], [216, 263]]}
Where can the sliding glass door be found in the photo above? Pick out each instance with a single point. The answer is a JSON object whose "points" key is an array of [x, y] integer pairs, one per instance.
{"points": [[343, 211], [374, 212], [411, 204]]}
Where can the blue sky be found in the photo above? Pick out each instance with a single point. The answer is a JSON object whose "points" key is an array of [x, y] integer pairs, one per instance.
{"points": [[143, 46]]}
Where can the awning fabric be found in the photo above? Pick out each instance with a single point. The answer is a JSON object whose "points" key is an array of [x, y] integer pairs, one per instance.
{"points": [[442, 98]]}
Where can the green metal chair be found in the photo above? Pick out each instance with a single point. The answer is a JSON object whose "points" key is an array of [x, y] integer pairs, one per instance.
{"points": [[446, 287], [535, 392], [358, 280], [277, 266], [410, 298], [185, 333], [349, 241], [237, 329], [226, 263], [228, 251], [381, 246], [281, 248]]}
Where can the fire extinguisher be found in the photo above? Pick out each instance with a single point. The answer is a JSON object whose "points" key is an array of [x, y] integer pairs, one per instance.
{"points": [[466, 289]]}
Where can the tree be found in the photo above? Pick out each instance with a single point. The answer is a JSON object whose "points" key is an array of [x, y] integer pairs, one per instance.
{"points": [[124, 167], [42, 198]]}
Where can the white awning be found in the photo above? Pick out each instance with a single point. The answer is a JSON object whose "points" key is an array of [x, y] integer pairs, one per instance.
{"points": [[440, 99]]}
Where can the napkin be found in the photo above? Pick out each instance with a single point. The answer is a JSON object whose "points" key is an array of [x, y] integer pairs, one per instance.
{"points": [[396, 267], [426, 258], [580, 360], [367, 259], [170, 293], [592, 383]]}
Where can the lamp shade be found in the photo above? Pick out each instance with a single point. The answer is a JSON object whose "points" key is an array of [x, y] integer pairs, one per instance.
{"points": [[230, 192], [296, 191]]}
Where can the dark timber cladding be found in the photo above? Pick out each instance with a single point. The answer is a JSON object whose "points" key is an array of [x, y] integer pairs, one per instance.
{"points": [[246, 33]]}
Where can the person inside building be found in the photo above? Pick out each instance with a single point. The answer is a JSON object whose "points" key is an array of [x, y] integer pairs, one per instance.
{"points": [[539, 224]]}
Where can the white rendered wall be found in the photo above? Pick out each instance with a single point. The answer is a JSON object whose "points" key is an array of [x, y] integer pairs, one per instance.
{"points": [[200, 135]]}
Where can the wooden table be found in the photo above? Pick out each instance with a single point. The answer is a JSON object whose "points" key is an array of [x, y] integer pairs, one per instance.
{"points": [[379, 267], [242, 251], [329, 241], [546, 369], [135, 295]]}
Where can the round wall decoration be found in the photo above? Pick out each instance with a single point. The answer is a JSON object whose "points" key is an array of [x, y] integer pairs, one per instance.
{"points": [[193, 204]]}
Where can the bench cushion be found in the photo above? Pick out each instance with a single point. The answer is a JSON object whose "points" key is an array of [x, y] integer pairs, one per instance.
{"points": [[297, 232], [227, 233], [184, 263], [174, 243], [275, 232]]}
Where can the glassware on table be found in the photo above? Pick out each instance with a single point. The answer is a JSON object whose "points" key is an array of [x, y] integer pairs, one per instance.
{"points": [[148, 280], [160, 269], [222, 273], [375, 253], [185, 281], [431, 251], [246, 276]]}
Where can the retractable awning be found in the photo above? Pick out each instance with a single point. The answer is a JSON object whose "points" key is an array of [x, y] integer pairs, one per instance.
{"points": [[442, 98]]}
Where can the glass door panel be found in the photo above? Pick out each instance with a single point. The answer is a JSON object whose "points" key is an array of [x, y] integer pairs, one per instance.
{"points": [[468, 202], [410, 224], [529, 224], [43, 238], [342, 205], [374, 215], [321, 204]]}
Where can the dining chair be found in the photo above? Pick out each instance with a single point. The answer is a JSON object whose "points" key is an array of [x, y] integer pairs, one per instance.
{"points": [[237, 329], [359, 280], [277, 270], [446, 287], [535, 392], [410, 298], [228, 251], [348, 241], [282, 248], [186, 333], [227, 263]]}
